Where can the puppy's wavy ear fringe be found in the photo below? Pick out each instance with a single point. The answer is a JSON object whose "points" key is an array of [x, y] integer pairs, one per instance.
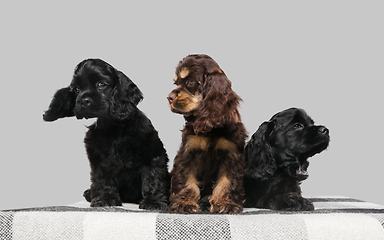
{"points": [[219, 105], [61, 105], [125, 97], [260, 163]]}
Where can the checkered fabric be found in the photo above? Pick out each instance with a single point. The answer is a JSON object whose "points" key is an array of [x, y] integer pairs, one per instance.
{"points": [[333, 218]]}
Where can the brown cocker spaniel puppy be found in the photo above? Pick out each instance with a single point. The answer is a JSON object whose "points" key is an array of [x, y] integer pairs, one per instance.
{"points": [[277, 162], [208, 168]]}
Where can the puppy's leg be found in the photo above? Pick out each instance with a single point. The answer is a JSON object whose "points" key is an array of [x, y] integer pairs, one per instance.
{"points": [[226, 196], [104, 192], [285, 195], [155, 185], [185, 191], [228, 193]]}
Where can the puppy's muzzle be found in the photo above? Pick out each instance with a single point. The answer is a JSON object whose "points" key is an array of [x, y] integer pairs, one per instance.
{"points": [[171, 97], [85, 102], [83, 107], [323, 130]]}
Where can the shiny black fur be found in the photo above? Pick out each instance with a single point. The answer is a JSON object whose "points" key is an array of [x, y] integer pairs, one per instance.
{"points": [[276, 160], [127, 159]]}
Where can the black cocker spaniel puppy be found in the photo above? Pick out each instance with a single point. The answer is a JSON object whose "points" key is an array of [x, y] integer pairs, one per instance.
{"points": [[127, 159], [276, 160], [208, 169]]}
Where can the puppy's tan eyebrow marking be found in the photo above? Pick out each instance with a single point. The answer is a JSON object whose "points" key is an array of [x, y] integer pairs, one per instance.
{"points": [[184, 72]]}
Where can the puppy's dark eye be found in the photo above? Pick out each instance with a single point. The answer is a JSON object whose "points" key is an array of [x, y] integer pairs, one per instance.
{"points": [[298, 126], [101, 85], [190, 83], [76, 89]]}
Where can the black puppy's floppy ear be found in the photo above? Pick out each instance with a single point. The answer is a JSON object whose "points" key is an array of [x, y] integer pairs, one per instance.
{"points": [[125, 97], [260, 163], [61, 106]]}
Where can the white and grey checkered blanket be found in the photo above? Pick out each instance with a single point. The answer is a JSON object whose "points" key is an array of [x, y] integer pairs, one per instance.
{"points": [[333, 218]]}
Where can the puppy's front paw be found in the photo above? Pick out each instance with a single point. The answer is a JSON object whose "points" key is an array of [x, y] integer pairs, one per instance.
{"points": [[306, 205], [225, 207], [292, 202], [184, 207], [104, 202], [145, 204]]}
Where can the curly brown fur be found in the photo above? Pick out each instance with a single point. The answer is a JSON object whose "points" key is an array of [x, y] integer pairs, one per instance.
{"points": [[127, 159], [276, 160], [208, 168]]}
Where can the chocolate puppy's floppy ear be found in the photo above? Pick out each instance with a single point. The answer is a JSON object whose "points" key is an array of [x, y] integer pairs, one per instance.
{"points": [[219, 105], [61, 106], [260, 163], [125, 97]]}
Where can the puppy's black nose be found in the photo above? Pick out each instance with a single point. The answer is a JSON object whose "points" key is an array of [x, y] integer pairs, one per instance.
{"points": [[85, 102], [323, 130], [171, 97]]}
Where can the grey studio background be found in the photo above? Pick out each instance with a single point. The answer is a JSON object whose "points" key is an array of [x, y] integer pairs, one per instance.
{"points": [[323, 56]]}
